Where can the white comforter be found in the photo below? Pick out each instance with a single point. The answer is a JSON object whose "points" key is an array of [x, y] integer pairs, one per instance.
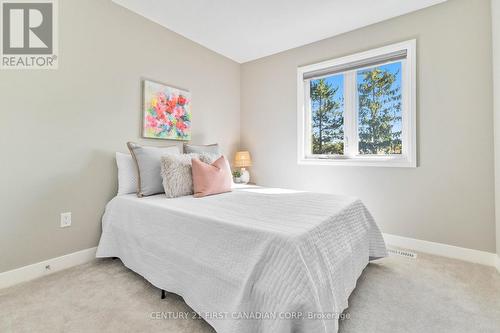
{"points": [[282, 255]]}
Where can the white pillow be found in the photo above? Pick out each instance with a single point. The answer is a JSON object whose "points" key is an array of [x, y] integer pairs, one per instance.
{"points": [[177, 173], [127, 174]]}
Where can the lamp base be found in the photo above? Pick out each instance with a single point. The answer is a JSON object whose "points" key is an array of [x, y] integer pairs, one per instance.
{"points": [[245, 176]]}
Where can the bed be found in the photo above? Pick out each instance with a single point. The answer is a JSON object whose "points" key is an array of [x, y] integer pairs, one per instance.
{"points": [[252, 260]]}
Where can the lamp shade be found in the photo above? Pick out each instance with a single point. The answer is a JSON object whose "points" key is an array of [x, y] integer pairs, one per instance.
{"points": [[242, 159]]}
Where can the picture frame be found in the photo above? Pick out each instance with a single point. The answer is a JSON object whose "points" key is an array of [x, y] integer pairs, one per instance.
{"points": [[166, 112]]}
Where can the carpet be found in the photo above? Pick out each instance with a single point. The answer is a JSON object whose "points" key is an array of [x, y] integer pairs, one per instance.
{"points": [[395, 294]]}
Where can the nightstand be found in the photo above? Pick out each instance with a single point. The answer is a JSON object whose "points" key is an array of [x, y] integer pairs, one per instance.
{"points": [[248, 185]]}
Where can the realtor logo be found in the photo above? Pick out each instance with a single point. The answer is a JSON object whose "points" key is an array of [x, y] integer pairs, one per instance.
{"points": [[29, 34]]}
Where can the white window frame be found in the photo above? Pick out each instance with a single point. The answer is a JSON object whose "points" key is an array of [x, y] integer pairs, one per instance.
{"points": [[351, 157]]}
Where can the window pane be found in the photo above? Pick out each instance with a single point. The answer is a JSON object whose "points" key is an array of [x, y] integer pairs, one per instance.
{"points": [[379, 109], [327, 115]]}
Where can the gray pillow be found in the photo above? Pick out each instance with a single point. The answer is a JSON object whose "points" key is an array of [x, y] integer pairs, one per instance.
{"points": [[147, 159], [177, 174], [197, 149]]}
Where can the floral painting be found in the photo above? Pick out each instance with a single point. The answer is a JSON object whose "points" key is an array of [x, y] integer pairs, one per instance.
{"points": [[167, 113]]}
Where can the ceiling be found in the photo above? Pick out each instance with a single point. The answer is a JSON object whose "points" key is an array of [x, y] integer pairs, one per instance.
{"points": [[245, 30]]}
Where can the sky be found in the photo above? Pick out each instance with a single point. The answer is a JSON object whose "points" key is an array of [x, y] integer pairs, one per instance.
{"points": [[338, 81]]}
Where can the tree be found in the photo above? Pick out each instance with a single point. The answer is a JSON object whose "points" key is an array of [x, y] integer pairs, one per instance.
{"points": [[379, 109], [327, 119]]}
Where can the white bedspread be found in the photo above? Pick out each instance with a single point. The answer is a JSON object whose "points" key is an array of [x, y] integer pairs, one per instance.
{"points": [[253, 252]]}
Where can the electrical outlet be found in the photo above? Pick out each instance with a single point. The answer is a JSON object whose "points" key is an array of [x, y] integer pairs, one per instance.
{"points": [[65, 220]]}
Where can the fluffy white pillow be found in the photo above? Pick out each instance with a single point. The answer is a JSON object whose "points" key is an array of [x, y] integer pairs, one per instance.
{"points": [[177, 175], [127, 174]]}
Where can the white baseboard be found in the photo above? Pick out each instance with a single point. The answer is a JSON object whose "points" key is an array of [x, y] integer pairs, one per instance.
{"points": [[444, 250], [39, 269]]}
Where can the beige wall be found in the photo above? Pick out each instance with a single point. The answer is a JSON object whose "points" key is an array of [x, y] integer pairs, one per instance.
{"points": [[449, 198], [495, 15], [59, 129]]}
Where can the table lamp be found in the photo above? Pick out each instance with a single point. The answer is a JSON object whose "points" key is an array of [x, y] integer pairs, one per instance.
{"points": [[242, 160]]}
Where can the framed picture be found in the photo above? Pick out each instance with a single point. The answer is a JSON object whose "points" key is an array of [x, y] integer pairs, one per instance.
{"points": [[167, 112]]}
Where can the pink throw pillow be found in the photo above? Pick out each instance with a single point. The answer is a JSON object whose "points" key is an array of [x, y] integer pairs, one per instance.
{"points": [[212, 178]]}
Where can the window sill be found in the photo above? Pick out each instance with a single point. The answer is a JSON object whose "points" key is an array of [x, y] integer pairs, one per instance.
{"points": [[372, 161]]}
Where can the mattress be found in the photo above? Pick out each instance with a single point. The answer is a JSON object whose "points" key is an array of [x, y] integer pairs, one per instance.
{"points": [[252, 260]]}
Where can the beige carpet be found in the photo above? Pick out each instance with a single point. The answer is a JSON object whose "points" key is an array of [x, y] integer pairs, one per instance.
{"points": [[396, 294]]}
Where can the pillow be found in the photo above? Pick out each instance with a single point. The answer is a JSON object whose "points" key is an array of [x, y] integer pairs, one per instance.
{"points": [[147, 160], [212, 149], [127, 174], [177, 175], [212, 178]]}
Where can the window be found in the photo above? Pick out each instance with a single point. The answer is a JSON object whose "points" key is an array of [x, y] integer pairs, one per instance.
{"points": [[359, 109]]}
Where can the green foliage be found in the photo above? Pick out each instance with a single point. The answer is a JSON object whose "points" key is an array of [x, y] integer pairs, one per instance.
{"points": [[379, 108], [327, 119], [335, 148], [236, 173]]}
